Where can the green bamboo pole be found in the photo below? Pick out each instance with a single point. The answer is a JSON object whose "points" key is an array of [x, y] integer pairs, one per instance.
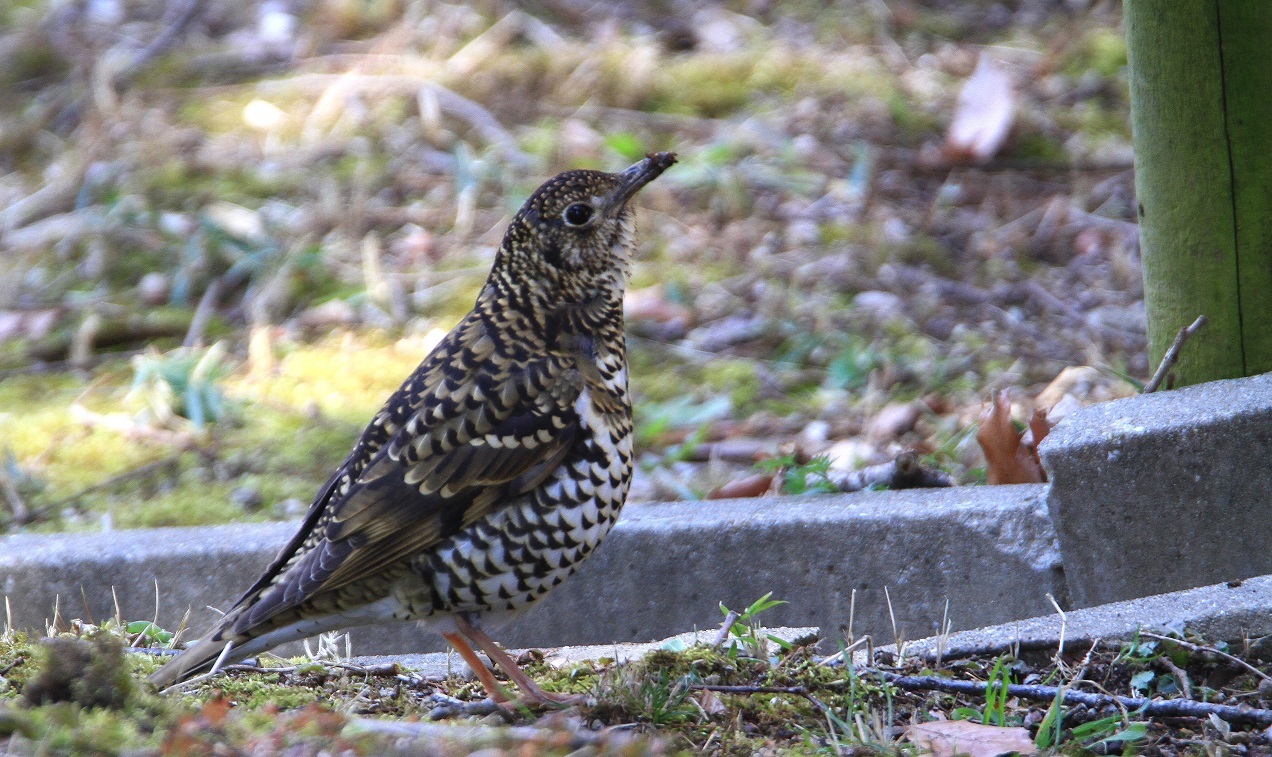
{"points": [[1201, 107]]}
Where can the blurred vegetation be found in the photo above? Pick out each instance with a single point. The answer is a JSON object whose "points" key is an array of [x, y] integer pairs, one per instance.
{"points": [[229, 230]]}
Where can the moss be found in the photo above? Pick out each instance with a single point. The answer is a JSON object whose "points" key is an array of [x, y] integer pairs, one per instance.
{"points": [[737, 378], [192, 503], [50, 442], [704, 85], [1040, 147], [923, 250], [260, 690], [71, 729], [89, 672], [297, 423]]}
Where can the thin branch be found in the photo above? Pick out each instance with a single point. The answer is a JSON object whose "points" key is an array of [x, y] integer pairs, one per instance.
{"points": [[21, 513], [203, 312], [1169, 708], [1199, 648], [1172, 355], [181, 15], [725, 627]]}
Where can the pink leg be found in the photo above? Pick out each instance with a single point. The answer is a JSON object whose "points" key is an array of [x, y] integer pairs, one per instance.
{"points": [[532, 694], [483, 674]]}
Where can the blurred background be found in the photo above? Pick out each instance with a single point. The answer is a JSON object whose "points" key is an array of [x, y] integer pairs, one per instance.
{"points": [[228, 230]]}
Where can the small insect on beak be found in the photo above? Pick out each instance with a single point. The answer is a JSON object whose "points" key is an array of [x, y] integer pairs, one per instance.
{"points": [[632, 179]]}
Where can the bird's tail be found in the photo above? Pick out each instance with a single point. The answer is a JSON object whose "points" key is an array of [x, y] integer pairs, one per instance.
{"points": [[205, 653], [251, 638]]}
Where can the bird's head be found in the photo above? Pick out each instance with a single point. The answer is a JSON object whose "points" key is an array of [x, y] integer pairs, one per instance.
{"points": [[571, 241]]}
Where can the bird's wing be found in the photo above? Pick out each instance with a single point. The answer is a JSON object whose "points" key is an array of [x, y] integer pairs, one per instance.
{"points": [[474, 438]]}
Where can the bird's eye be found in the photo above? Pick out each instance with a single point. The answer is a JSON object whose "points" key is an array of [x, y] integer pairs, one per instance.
{"points": [[578, 214]]}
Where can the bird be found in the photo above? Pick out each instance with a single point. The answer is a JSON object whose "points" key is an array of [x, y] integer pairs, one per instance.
{"points": [[492, 473]]}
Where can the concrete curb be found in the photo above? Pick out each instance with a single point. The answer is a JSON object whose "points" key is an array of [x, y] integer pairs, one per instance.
{"points": [[989, 551], [1164, 491], [1233, 612]]}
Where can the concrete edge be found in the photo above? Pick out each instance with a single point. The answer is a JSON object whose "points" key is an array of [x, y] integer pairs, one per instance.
{"points": [[1228, 612], [990, 551]]}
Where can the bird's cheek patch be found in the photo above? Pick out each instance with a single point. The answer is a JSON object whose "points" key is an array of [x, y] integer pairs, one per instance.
{"points": [[552, 253]]}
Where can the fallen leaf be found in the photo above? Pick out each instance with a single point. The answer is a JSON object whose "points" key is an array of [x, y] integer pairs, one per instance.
{"points": [[1008, 458], [986, 109], [951, 738], [756, 485], [710, 703]]}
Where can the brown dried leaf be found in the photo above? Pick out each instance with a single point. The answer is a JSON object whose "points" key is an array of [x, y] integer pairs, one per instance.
{"points": [[948, 738], [986, 109], [1007, 459], [710, 703], [752, 486]]}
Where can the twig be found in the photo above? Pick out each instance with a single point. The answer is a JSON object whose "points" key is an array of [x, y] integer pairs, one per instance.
{"points": [[182, 16], [846, 652], [725, 627], [1170, 708], [1172, 354], [450, 707], [1199, 648], [1181, 675], [990, 649], [797, 690], [21, 513], [203, 312]]}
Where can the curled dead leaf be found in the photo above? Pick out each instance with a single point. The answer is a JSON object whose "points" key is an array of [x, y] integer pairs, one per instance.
{"points": [[986, 109], [756, 485], [1010, 458]]}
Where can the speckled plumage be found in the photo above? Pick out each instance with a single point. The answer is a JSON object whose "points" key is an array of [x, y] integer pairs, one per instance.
{"points": [[495, 469]]}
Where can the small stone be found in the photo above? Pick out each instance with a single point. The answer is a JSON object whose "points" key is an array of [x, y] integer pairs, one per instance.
{"points": [[850, 454], [894, 420], [803, 233], [328, 314], [153, 289], [882, 305], [1265, 690], [247, 497]]}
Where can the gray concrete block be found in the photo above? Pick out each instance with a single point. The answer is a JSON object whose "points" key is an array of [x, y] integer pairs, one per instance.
{"points": [[1164, 491], [989, 550], [1233, 612]]}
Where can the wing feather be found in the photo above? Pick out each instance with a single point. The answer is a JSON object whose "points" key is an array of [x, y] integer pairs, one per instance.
{"points": [[437, 473]]}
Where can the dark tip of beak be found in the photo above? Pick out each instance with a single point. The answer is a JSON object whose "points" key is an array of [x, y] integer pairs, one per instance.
{"points": [[640, 174]]}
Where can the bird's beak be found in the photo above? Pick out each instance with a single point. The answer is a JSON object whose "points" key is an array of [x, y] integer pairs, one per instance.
{"points": [[631, 180]]}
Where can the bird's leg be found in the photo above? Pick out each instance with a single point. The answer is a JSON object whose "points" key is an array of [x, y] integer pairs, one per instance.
{"points": [[483, 673], [531, 692]]}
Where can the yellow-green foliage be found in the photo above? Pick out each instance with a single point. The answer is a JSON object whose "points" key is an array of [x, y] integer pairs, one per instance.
{"points": [[736, 377], [342, 376], [39, 425], [1102, 50], [292, 426]]}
